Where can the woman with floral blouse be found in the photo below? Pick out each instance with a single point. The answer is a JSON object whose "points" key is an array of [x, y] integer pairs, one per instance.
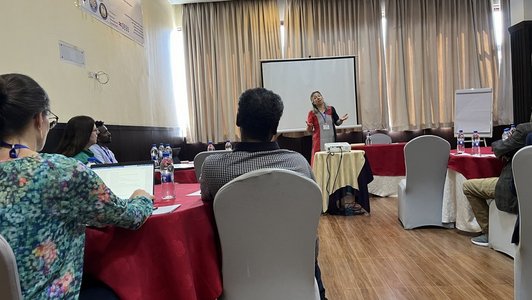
{"points": [[46, 200]]}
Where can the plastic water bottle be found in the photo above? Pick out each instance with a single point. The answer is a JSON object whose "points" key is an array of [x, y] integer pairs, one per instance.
{"points": [[475, 148], [368, 138], [167, 177], [512, 130], [161, 151], [154, 154], [210, 147], [168, 149], [506, 134], [460, 142], [228, 145]]}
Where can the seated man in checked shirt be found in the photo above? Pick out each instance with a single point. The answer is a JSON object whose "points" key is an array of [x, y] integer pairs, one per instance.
{"points": [[259, 112]]}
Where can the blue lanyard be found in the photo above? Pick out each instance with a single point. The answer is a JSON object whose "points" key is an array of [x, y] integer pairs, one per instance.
{"points": [[14, 148], [323, 116]]}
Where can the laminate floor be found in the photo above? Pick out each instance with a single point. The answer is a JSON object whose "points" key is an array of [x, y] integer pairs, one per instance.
{"points": [[373, 257]]}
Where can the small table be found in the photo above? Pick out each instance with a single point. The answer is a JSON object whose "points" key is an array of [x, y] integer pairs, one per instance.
{"points": [[387, 162], [172, 256], [338, 170], [456, 207]]}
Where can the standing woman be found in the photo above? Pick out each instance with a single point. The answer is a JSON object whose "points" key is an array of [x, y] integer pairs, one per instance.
{"points": [[46, 200], [322, 121], [80, 133]]}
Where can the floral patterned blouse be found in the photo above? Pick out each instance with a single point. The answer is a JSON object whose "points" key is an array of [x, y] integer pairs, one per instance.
{"points": [[45, 203]]}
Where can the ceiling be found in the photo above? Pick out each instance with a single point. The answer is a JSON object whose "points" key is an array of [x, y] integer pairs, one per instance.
{"points": [[192, 1]]}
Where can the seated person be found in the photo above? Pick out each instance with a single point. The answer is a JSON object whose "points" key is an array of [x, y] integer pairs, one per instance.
{"points": [[80, 133], [48, 199], [259, 112], [477, 191], [100, 149]]}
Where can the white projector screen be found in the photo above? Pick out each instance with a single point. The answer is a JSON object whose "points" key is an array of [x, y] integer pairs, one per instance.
{"points": [[295, 79]]}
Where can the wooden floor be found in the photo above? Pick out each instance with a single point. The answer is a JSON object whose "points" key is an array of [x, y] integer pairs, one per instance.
{"points": [[373, 257]]}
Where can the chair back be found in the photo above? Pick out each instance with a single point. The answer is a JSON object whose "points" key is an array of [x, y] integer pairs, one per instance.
{"points": [[380, 138], [200, 158], [9, 280], [421, 196], [522, 172], [267, 221]]}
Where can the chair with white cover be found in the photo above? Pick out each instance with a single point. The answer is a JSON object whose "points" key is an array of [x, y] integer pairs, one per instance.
{"points": [[267, 221], [200, 158], [501, 227], [9, 280], [380, 138], [421, 193], [522, 172]]}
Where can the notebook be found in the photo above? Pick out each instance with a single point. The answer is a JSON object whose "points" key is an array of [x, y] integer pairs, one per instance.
{"points": [[124, 178]]}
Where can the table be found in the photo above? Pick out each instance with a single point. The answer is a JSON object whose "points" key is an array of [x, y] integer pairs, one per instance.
{"points": [[183, 173], [387, 162], [461, 167], [334, 171], [172, 256]]}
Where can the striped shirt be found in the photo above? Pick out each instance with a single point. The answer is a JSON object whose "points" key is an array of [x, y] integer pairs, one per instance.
{"points": [[219, 169]]}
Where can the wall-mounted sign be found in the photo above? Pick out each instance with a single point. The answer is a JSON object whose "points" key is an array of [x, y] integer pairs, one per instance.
{"points": [[125, 16]]}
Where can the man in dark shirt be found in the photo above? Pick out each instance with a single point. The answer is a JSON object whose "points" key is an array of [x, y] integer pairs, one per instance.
{"points": [[477, 191], [259, 112]]}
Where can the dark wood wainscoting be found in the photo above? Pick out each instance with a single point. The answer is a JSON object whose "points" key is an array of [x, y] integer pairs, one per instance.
{"points": [[129, 143]]}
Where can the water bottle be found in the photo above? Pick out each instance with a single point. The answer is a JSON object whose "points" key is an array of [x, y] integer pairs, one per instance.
{"points": [[368, 138], [167, 177], [154, 154], [161, 151], [210, 147], [168, 149], [228, 145], [460, 142], [475, 148], [505, 134], [512, 130]]}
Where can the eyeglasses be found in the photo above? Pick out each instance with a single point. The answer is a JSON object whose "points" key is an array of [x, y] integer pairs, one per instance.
{"points": [[52, 118]]}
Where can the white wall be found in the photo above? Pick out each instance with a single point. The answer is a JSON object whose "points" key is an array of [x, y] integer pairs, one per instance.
{"points": [[139, 91], [520, 10]]}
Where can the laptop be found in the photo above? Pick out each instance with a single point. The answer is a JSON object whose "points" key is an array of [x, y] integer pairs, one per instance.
{"points": [[124, 178]]}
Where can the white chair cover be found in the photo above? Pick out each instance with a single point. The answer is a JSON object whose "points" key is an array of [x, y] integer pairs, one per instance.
{"points": [[522, 171], [380, 138], [267, 222], [421, 193], [200, 158], [501, 228], [9, 281]]}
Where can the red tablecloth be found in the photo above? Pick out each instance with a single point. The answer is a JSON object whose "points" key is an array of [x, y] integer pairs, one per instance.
{"points": [[385, 159], [172, 256], [180, 176], [472, 166]]}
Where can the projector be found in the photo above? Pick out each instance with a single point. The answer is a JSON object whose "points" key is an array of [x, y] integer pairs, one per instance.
{"points": [[337, 147]]}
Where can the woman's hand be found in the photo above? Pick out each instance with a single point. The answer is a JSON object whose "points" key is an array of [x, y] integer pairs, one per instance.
{"points": [[310, 126], [344, 117], [141, 192]]}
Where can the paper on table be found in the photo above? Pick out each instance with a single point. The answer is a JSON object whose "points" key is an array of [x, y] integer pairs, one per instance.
{"points": [[196, 193], [165, 209]]}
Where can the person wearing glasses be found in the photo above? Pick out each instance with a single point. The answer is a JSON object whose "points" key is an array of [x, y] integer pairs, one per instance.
{"points": [[79, 135], [100, 149], [47, 199]]}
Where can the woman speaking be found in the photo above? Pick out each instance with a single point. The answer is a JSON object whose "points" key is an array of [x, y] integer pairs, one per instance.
{"points": [[322, 121]]}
